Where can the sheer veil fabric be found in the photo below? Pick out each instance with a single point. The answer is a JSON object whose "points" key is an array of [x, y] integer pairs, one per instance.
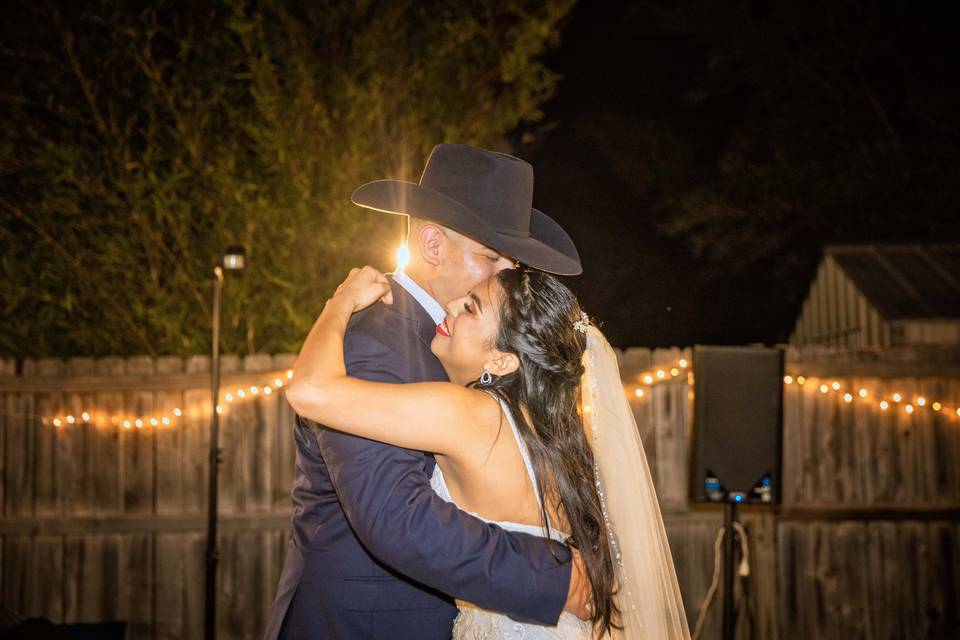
{"points": [[648, 592]]}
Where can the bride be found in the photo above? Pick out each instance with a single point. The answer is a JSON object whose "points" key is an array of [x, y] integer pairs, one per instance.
{"points": [[515, 443]]}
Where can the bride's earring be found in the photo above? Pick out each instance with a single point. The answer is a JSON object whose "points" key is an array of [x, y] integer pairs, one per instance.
{"points": [[486, 378]]}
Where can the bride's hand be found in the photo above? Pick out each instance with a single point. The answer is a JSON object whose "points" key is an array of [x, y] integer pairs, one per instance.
{"points": [[363, 287]]}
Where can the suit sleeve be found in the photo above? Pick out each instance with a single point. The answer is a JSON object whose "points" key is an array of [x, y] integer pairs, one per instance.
{"points": [[394, 512]]}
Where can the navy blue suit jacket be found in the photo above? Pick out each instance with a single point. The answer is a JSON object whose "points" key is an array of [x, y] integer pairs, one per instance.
{"points": [[375, 553]]}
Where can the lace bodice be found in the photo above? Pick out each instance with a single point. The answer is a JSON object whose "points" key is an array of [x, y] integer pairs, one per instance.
{"points": [[473, 623]]}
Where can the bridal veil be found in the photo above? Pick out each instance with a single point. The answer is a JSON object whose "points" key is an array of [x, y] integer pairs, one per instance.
{"points": [[648, 592]]}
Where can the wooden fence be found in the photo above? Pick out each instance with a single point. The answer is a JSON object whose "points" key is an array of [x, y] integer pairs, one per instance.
{"points": [[103, 522], [867, 541]]}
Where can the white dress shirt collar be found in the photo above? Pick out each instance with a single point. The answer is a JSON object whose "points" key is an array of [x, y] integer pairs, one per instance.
{"points": [[430, 305]]}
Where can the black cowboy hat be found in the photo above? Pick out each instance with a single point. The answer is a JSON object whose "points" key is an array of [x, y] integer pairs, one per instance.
{"points": [[482, 194]]}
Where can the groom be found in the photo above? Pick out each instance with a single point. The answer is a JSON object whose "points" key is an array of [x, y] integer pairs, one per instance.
{"points": [[375, 553]]}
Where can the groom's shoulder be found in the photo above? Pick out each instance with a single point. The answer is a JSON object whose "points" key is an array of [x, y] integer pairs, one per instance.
{"points": [[381, 323]]}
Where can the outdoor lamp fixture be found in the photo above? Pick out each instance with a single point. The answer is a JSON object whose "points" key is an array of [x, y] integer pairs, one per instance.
{"points": [[233, 259]]}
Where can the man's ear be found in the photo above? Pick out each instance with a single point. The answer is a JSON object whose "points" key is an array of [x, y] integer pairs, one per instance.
{"points": [[501, 364], [430, 241]]}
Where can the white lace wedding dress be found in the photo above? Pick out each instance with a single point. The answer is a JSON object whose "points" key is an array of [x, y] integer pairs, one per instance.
{"points": [[473, 623]]}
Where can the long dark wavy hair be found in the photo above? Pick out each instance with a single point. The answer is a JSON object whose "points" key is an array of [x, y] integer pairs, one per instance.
{"points": [[537, 316]]}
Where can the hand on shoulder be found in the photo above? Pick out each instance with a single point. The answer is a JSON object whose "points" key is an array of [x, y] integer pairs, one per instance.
{"points": [[363, 287]]}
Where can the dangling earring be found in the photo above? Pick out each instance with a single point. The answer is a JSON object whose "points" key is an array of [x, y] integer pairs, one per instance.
{"points": [[486, 378]]}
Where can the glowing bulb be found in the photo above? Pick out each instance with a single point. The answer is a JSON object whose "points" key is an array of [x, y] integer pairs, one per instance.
{"points": [[403, 256], [219, 408], [139, 423], [289, 374], [177, 412], [661, 374], [165, 420], [153, 422], [639, 392], [267, 391], [228, 397], [126, 424], [674, 372], [278, 383], [682, 363], [835, 385], [958, 412], [788, 379], [908, 408], [241, 393], [897, 397], [823, 388], [921, 401], [254, 390], [71, 419], [801, 379], [85, 416], [847, 397], [884, 405], [936, 406], [56, 422], [862, 393], [648, 379]]}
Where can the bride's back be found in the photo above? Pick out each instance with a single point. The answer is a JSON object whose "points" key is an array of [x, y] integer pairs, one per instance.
{"points": [[493, 481]]}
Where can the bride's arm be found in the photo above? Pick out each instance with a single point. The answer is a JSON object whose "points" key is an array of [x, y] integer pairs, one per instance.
{"points": [[431, 416]]}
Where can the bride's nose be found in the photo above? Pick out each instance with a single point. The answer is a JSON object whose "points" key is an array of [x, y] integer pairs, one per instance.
{"points": [[455, 306]]}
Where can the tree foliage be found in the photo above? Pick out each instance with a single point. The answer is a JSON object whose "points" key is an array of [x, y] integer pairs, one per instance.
{"points": [[756, 133], [138, 142]]}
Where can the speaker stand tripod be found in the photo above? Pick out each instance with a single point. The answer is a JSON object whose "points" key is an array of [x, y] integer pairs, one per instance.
{"points": [[729, 562]]}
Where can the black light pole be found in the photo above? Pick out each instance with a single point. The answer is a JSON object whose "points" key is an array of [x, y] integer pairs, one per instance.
{"points": [[233, 259]]}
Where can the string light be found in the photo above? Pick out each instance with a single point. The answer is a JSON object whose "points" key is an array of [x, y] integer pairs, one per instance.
{"points": [[910, 406], [649, 377], [165, 418]]}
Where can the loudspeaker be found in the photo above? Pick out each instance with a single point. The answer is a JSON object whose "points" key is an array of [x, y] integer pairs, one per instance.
{"points": [[738, 424]]}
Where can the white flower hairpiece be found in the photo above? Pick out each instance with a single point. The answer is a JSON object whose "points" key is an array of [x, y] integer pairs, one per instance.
{"points": [[582, 324]]}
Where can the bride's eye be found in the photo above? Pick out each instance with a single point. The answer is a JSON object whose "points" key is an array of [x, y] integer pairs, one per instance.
{"points": [[466, 307]]}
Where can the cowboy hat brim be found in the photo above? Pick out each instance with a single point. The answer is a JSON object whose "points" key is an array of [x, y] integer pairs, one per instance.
{"points": [[548, 247]]}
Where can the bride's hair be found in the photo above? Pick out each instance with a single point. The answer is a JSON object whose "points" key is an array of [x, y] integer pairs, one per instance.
{"points": [[537, 316]]}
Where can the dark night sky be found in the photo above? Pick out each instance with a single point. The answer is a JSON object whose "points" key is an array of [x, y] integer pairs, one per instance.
{"points": [[620, 71], [641, 284]]}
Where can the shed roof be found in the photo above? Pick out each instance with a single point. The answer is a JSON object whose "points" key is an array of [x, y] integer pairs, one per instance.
{"points": [[905, 281]]}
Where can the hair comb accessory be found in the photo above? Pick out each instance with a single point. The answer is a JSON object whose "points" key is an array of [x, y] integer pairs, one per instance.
{"points": [[582, 324]]}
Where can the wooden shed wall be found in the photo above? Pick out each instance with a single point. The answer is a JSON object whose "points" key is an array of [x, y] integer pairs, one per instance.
{"points": [[836, 314]]}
